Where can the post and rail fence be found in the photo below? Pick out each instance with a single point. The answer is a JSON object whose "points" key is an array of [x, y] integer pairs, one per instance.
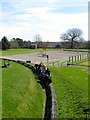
{"points": [[71, 60]]}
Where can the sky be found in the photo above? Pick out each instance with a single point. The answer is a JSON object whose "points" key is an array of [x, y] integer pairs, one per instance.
{"points": [[49, 18]]}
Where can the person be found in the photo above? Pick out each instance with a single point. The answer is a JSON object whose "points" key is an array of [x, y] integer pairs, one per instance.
{"points": [[40, 68], [36, 66], [47, 71]]}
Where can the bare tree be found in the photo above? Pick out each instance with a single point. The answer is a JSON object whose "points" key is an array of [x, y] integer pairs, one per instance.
{"points": [[37, 37], [38, 40], [73, 35]]}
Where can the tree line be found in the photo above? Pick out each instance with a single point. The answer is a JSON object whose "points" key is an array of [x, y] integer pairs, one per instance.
{"points": [[14, 43], [72, 38]]}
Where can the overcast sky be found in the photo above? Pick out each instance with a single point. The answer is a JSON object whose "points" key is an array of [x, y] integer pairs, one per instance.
{"points": [[49, 18]]}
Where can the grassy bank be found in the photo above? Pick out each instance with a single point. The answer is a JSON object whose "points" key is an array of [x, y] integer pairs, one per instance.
{"points": [[71, 87], [22, 96], [23, 51]]}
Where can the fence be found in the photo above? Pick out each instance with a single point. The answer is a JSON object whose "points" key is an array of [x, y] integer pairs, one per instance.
{"points": [[70, 60], [77, 58], [57, 63]]}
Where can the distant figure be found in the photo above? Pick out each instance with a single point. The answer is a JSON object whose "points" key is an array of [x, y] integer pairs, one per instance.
{"points": [[47, 57]]}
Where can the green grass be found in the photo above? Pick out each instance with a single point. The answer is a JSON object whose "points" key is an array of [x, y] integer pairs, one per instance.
{"points": [[22, 96], [79, 50], [0, 90], [0, 63], [86, 63], [23, 51], [71, 87]]}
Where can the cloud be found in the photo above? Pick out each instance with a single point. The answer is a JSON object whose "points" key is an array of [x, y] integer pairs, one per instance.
{"points": [[49, 18]]}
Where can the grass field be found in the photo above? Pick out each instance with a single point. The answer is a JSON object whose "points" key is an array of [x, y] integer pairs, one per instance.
{"points": [[22, 96], [82, 63], [86, 63], [23, 51], [71, 87], [79, 50]]}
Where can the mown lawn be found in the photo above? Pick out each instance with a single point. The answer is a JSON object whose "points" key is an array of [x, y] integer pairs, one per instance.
{"points": [[71, 87], [0, 63], [23, 51], [86, 63], [22, 96], [82, 63], [79, 50]]}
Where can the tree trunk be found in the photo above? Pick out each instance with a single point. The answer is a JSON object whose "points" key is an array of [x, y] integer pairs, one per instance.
{"points": [[72, 44]]}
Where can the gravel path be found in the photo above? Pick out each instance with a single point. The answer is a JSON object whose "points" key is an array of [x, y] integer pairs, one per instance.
{"points": [[37, 57]]}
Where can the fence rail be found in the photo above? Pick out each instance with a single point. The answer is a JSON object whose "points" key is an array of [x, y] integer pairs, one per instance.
{"points": [[77, 58], [70, 60]]}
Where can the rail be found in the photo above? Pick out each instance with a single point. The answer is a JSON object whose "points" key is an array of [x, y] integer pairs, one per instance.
{"points": [[73, 59], [70, 60]]}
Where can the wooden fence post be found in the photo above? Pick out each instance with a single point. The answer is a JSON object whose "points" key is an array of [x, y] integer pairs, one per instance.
{"points": [[69, 59], [75, 58], [72, 59], [80, 57], [58, 63], [53, 64]]}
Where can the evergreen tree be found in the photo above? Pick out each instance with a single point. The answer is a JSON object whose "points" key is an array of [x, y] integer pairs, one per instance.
{"points": [[5, 43]]}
